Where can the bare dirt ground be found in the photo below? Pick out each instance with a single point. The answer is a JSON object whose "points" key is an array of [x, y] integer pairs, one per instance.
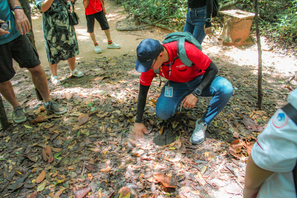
{"points": [[87, 152]]}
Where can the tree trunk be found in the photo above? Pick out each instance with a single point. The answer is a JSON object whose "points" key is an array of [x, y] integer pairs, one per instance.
{"points": [[260, 93], [27, 10]]}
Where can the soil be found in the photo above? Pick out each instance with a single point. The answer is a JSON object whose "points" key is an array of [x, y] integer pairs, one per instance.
{"points": [[88, 151]]}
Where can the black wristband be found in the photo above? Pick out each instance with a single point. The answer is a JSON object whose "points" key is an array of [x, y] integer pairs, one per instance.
{"points": [[17, 7], [195, 94]]}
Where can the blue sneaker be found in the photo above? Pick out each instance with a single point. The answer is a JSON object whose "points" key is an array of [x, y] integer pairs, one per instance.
{"points": [[198, 135]]}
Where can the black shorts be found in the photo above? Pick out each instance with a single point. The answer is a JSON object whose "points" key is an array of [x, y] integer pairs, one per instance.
{"points": [[100, 17], [22, 51]]}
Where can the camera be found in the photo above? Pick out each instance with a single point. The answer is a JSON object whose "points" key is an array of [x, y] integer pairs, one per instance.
{"points": [[5, 25]]}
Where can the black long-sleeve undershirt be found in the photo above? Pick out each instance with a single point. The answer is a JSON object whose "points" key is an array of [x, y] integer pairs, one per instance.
{"points": [[209, 75]]}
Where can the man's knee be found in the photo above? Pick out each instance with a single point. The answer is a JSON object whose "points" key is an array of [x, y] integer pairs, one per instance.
{"points": [[164, 113], [36, 70], [5, 83], [227, 88]]}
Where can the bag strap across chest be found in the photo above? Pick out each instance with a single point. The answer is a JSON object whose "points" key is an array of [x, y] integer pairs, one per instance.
{"points": [[292, 113]]}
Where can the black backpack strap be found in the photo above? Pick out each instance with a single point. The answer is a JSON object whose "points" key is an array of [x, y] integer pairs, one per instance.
{"points": [[295, 178], [292, 113]]}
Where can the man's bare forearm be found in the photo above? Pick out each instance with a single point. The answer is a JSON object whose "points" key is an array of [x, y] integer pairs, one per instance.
{"points": [[46, 5], [86, 3]]}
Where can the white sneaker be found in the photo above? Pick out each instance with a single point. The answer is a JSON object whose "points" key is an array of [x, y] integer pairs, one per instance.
{"points": [[198, 135], [55, 80], [97, 49], [113, 45]]}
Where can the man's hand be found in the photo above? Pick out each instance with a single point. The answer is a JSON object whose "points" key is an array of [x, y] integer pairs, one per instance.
{"points": [[22, 21], [208, 30], [104, 11], [138, 130], [2, 32], [190, 101]]}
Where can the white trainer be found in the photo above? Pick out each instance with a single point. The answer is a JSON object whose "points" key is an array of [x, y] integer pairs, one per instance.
{"points": [[97, 49], [113, 45], [198, 135]]}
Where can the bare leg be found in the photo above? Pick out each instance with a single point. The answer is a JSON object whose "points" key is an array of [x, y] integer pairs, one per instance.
{"points": [[40, 82], [93, 37], [71, 62], [54, 68], [7, 92], [107, 33]]}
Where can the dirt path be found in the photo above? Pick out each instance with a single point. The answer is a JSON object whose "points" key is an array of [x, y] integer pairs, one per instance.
{"points": [[127, 40], [90, 144]]}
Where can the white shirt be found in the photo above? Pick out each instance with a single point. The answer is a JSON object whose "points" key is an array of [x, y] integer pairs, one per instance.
{"points": [[276, 151]]}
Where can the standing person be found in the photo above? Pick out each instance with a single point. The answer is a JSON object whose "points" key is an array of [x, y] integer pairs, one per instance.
{"points": [[59, 36], [94, 9], [15, 44], [198, 21], [273, 157], [184, 86]]}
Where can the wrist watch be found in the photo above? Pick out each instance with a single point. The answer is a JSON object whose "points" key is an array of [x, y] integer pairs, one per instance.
{"points": [[17, 7], [208, 20], [197, 92]]}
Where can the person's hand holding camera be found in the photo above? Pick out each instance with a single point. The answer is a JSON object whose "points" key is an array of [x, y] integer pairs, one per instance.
{"points": [[3, 29]]}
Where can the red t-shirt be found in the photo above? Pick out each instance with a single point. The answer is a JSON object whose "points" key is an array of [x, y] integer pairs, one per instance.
{"points": [[93, 7], [179, 72]]}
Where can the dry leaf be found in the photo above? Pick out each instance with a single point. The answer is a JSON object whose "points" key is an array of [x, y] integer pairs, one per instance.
{"points": [[48, 151], [83, 118], [165, 181], [105, 169], [236, 145], [203, 169], [68, 96], [33, 195], [39, 119], [83, 192], [58, 193], [41, 186], [161, 130], [124, 192], [44, 156], [233, 189], [56, 150], [90, 176], [41, 177], [232, 152]]}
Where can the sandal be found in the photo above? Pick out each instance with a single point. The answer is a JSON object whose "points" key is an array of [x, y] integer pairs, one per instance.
{"points": [[76, 73], [55, 80]]}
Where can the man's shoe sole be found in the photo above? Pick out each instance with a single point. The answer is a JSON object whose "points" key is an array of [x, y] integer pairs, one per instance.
{"points": [[20, 121], [196, 143]]}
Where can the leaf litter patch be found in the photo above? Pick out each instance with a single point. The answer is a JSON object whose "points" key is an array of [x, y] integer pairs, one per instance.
{"points": [[87, 151]]}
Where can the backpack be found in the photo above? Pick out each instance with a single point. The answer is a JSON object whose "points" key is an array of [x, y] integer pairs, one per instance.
{"points": [[292, 113], [215, 8], [181, 38]]}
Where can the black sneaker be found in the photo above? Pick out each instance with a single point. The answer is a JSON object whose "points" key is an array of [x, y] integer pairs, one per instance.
{"points": [[54, 107], [18, 115]]}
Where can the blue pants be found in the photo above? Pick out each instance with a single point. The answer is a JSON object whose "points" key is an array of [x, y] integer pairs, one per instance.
{"points": [[196, 18], [220, 90]]}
